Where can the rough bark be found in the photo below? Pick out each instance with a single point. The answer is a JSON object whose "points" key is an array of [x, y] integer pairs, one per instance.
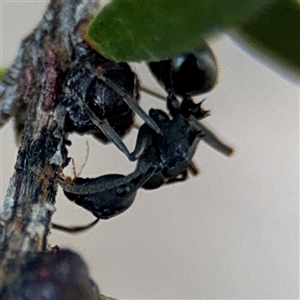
{"points": [[29, 93]]}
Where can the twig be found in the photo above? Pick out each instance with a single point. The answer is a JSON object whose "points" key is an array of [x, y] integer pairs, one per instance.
{"points": [[29, 93]]}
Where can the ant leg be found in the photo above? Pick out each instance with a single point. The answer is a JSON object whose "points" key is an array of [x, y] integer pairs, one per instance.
{"points": [[105, 128], [138, 178], [106, 182], [210, 138], [142, 176], [131, 103], [90, 185], [74, 229], [142, 141], [193, 168]]}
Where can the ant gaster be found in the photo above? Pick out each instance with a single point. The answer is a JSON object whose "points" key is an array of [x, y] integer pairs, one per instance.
{"points": [[189, 73]]}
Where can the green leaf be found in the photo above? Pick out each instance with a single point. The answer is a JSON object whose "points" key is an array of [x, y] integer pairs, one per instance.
{"points": [[2, 71], [136, 30], [277, 32]]}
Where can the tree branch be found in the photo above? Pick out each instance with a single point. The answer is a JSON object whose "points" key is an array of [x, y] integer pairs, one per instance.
{"points": [[29, 93]]}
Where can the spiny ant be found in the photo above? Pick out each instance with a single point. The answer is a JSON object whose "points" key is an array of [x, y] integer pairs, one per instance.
{"points": [[161, 158]]}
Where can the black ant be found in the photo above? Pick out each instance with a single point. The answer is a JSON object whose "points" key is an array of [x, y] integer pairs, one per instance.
{"points": [[162, 158]]}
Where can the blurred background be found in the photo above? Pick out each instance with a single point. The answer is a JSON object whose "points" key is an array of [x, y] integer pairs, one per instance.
{"points": [[233, 231]]}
